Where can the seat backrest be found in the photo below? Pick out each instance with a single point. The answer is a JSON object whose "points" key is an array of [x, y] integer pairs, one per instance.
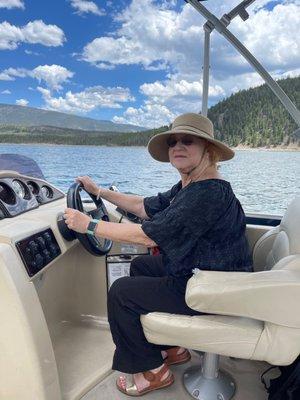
{"points": [[280, 249], [279, 242]]}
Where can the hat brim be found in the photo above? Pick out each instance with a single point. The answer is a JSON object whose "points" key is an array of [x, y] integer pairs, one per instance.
{"points": [[159, 149]]}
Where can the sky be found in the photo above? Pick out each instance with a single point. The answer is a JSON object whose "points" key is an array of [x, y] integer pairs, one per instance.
{"points": [[136, 61]]}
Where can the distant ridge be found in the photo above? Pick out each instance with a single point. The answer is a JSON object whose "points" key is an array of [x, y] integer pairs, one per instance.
{"points": [[250, 118], [29, 116]]}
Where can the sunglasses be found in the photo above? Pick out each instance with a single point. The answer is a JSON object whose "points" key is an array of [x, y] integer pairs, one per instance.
{"points": [[186, 141]]}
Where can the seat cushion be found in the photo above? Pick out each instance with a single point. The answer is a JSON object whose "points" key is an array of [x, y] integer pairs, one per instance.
{"points": [[229, 336]]}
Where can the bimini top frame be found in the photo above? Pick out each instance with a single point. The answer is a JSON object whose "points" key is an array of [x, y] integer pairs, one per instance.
{"points": [[221, 26]]}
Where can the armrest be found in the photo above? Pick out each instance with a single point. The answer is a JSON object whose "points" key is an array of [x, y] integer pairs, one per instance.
{"points": [[272, 296]]}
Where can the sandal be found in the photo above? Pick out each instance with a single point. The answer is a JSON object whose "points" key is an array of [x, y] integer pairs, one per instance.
{"points": [[173, 358], [153, 378]]}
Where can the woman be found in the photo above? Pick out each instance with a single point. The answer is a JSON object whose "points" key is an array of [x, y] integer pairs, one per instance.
{"points": [[198, 223]]}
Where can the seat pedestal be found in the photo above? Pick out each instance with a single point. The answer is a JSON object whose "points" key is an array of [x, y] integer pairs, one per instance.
{"points": [[207, 382]]}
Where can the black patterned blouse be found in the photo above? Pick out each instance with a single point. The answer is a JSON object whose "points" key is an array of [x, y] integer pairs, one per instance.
{"points": [[199, 226]]}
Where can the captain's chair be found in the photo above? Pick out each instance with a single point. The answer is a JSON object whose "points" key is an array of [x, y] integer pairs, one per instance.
{"points": [[256, 315]]}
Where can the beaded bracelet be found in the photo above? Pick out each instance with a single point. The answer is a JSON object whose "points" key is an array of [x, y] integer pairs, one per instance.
{"points": [[98, 195]]}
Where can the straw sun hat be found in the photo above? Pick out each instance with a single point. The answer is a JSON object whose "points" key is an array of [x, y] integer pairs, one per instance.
{"points": [[192, 124]]}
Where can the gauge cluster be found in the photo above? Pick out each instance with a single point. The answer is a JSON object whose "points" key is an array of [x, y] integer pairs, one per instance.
{"points": [[19, 194]]}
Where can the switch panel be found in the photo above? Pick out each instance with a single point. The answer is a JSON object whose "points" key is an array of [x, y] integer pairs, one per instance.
{"points": [[38, 250]]}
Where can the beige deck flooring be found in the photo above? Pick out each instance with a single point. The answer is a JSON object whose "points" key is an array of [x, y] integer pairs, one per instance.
{"points": [[246, 374]]}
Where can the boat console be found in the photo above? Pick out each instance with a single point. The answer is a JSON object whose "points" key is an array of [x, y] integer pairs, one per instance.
{"points": [[55, 338]]}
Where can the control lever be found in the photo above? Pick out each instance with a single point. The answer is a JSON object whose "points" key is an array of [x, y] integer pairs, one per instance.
{"points": [[66, 233]]}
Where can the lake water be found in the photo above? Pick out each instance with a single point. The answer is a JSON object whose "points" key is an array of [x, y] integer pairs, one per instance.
{"points": [[264, 181]]}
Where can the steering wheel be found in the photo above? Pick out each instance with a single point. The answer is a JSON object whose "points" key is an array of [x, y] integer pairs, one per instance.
{"points": [[94, 245]]}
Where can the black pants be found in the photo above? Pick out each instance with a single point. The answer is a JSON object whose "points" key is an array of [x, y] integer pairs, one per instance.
{"points": [[148, 289]]}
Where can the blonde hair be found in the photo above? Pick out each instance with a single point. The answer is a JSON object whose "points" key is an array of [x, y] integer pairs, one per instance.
{"points": [[214, 154]]}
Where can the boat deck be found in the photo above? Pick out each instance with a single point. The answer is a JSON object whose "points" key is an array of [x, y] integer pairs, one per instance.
{"points": [[246, 374]]}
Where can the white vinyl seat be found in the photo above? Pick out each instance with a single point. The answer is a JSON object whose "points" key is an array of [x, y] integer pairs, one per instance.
{"points": [[247, 315]]}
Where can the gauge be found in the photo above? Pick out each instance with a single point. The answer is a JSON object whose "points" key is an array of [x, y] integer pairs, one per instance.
{"points": [[19, 188], [47, 192], [34, 188], [6, 194]]}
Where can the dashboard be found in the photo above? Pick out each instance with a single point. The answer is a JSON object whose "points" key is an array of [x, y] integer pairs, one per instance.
{"points": [[20, 193]]}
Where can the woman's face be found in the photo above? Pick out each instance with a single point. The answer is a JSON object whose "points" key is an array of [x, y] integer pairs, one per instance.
{"points": [[185, 151]]}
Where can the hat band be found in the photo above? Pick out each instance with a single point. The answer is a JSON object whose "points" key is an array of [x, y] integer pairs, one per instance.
{"points": [[191, 129]]}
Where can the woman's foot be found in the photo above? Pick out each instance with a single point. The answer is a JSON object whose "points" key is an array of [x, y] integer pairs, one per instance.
{"points": [[176, 355], [145, 382]]}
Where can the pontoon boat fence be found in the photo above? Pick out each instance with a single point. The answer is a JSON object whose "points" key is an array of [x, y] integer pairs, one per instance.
{"points": [[221, 26]]}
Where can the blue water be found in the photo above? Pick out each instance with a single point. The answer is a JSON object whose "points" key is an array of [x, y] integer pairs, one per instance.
{"points": [[264, 181]]}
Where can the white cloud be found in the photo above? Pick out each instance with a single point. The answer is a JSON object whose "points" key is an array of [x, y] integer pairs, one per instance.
{"points": [[87, 100], [153, 35], [10, 36], [6, 91], [272, 36], [6, 77], [48, 35], [157, 37], [11, 4], [148, 115], [31, 53], [22, 102], [33, 32], [53, 75], [173, 97], [10, 74], [172, 87], [85, 6], [105, 66], [290, 74]]}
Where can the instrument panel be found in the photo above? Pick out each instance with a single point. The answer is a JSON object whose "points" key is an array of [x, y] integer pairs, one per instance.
{"points": [[19, 194]]}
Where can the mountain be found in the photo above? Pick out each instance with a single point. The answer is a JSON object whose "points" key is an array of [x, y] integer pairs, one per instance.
{"points": [[28, 116], [252, 117], [255, 117]]}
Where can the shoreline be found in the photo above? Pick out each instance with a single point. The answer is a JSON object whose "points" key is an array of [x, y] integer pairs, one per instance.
{"points": [[236, 148], [267, 148]]}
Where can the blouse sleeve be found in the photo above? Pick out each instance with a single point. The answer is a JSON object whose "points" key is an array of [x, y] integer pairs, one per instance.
{"points": [[188, 218], [154, 204]]}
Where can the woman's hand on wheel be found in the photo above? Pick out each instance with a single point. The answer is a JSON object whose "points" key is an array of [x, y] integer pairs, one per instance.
{"points": [[88, 184], [76, 220]]}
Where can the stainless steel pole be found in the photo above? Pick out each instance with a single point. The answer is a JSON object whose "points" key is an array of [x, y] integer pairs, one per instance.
{"points": [[205, 84]]}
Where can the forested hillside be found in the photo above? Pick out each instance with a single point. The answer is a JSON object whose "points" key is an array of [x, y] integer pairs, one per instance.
{"points": [[55, 135], [256, 117]]}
